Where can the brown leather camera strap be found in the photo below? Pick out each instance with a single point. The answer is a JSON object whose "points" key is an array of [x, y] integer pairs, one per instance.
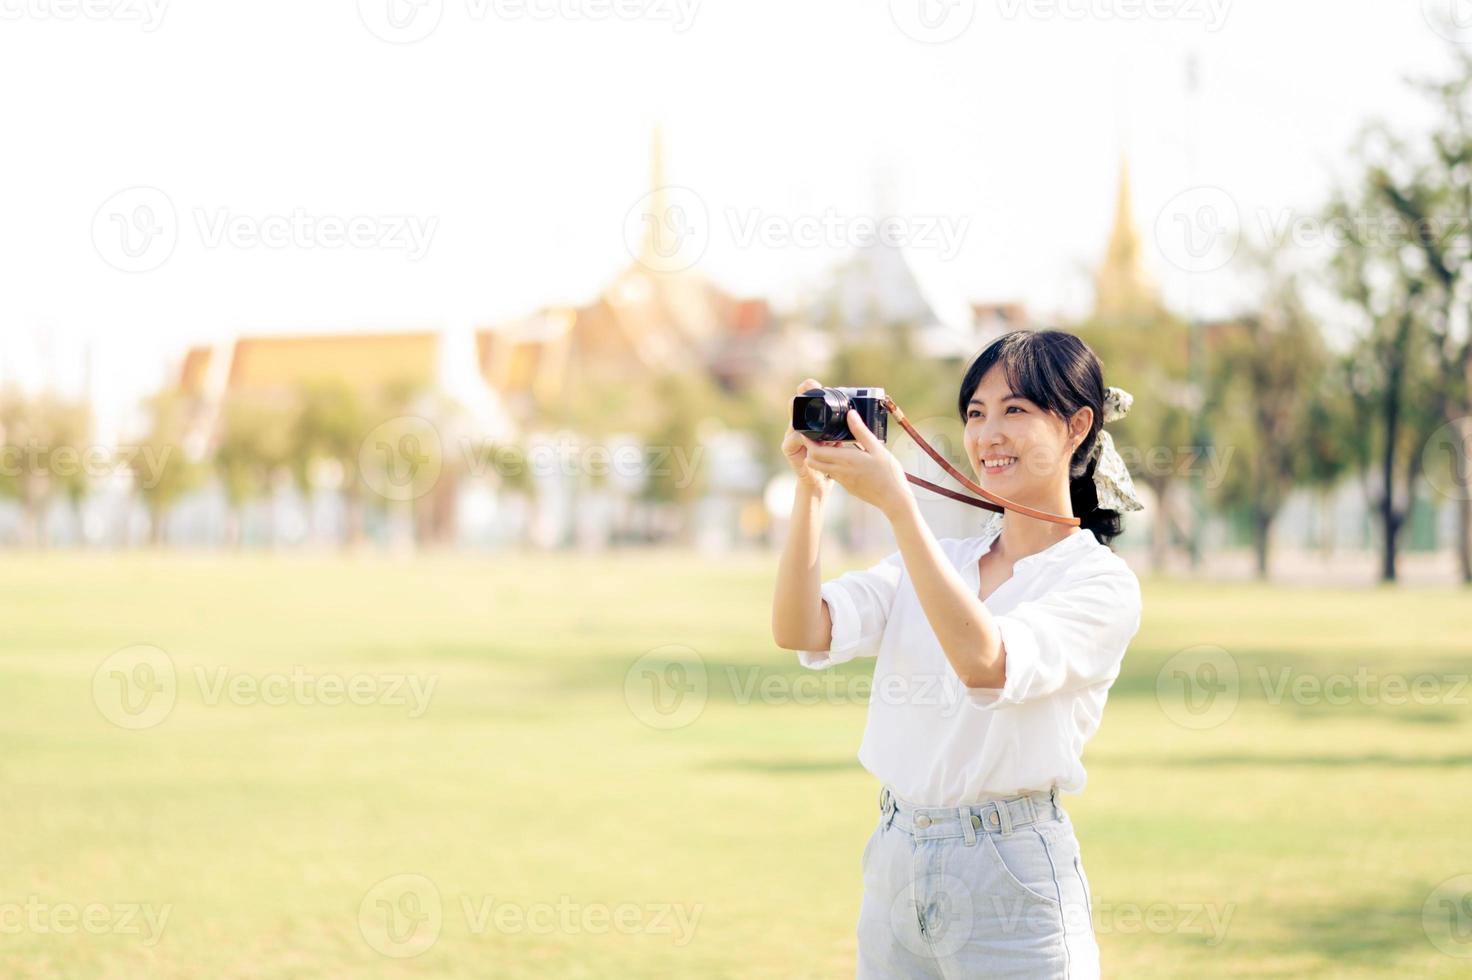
{"points": [[989, 501]]}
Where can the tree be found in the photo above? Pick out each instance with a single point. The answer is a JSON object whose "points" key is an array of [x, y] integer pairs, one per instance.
{"points": [[1392, 378], [170, 472], [329, 429], [253, 444], [42, 444], [1432, 194], [1331, 440], [1149, 358], [1267, 365]]}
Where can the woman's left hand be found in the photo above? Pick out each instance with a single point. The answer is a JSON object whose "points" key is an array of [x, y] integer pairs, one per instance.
{"points": [[865, 468]]}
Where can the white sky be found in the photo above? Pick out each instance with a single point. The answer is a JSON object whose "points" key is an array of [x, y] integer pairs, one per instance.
{"points": [[525, 140]]}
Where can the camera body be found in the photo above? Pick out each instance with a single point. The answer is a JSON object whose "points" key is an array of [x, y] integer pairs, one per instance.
{"points": [[821, 413]]}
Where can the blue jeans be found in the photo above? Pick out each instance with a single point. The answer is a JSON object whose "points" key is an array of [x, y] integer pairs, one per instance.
{"points": [[994, 889]]}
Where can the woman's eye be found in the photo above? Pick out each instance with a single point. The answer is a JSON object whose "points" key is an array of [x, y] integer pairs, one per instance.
{"points": [[1010, 407]]}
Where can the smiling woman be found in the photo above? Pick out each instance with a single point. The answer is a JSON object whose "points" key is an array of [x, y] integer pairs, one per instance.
{"points": [[973, 868]]}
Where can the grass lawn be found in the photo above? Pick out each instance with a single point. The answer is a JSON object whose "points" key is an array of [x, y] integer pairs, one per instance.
{"points": [[533, 809]]}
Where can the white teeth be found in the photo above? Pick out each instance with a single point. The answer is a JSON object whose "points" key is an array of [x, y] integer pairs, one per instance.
{"points": [[989, 464]]}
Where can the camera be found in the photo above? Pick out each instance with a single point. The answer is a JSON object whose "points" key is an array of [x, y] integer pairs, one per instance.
{"points": [[821, 413]]}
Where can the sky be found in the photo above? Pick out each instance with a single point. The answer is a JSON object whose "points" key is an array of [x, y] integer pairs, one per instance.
{"points": [[181, 173]]}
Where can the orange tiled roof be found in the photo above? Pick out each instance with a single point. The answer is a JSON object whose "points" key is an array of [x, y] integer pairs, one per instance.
{"points": [[361, 360], [195, 369]]}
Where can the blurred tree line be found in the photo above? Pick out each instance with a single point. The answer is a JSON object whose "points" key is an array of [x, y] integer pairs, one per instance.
{"points": [[1278, 400]]}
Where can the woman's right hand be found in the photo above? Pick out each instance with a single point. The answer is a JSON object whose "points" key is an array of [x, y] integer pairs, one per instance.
{"points": [[795, 448]]}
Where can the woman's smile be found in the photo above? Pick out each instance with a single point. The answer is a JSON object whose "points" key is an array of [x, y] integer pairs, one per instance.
{"points": [[994, 465]]}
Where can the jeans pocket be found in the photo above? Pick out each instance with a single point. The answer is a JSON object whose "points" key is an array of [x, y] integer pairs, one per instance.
{"points": [[1025, 864]]}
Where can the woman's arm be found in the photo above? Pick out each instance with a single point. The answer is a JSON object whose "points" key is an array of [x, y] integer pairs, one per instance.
{"points": [[800, 619], [961, 621], [964, 626]]}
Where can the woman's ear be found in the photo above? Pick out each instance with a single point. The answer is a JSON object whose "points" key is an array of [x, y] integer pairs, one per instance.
{"points": [[1079, 425]]}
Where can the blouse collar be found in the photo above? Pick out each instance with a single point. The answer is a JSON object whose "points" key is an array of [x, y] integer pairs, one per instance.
{"points": [[1055, 552]]}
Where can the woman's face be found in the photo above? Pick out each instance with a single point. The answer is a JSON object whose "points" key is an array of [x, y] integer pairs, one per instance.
{"points": [[1035, 446]]}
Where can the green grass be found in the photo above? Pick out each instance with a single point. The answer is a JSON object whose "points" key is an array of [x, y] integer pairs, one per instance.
{"points": [[1316, 831]]}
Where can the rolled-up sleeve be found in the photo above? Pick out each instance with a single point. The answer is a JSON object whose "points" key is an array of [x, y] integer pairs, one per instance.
{"points": [[858, 603], [1073, 637]]}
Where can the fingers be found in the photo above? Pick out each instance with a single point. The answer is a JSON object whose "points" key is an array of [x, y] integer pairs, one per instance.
{"points": [[832, 454], [807, 385], [862, 435]]}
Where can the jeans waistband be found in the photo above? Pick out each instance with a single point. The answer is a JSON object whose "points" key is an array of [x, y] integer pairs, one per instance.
{"points": [[990, 817]]}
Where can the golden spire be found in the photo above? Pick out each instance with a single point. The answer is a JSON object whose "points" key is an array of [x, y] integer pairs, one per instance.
{"points": [[657, 202], [1122, 288]]}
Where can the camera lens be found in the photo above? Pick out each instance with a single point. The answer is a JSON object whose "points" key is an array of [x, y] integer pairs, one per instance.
{"points": [[826, 416]]}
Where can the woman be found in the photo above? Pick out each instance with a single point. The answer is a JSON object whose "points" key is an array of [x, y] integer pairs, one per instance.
{"points": [[994, 657]]}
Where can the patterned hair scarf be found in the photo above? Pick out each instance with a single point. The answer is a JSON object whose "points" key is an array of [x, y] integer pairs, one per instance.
{"points": [[1112, 481]]}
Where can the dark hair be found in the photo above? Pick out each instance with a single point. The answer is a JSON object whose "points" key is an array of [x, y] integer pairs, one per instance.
{"points": [[1061, 374]]}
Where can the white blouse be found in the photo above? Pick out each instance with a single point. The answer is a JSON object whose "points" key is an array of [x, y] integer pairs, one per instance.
{"points": [[1066, 616]]}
